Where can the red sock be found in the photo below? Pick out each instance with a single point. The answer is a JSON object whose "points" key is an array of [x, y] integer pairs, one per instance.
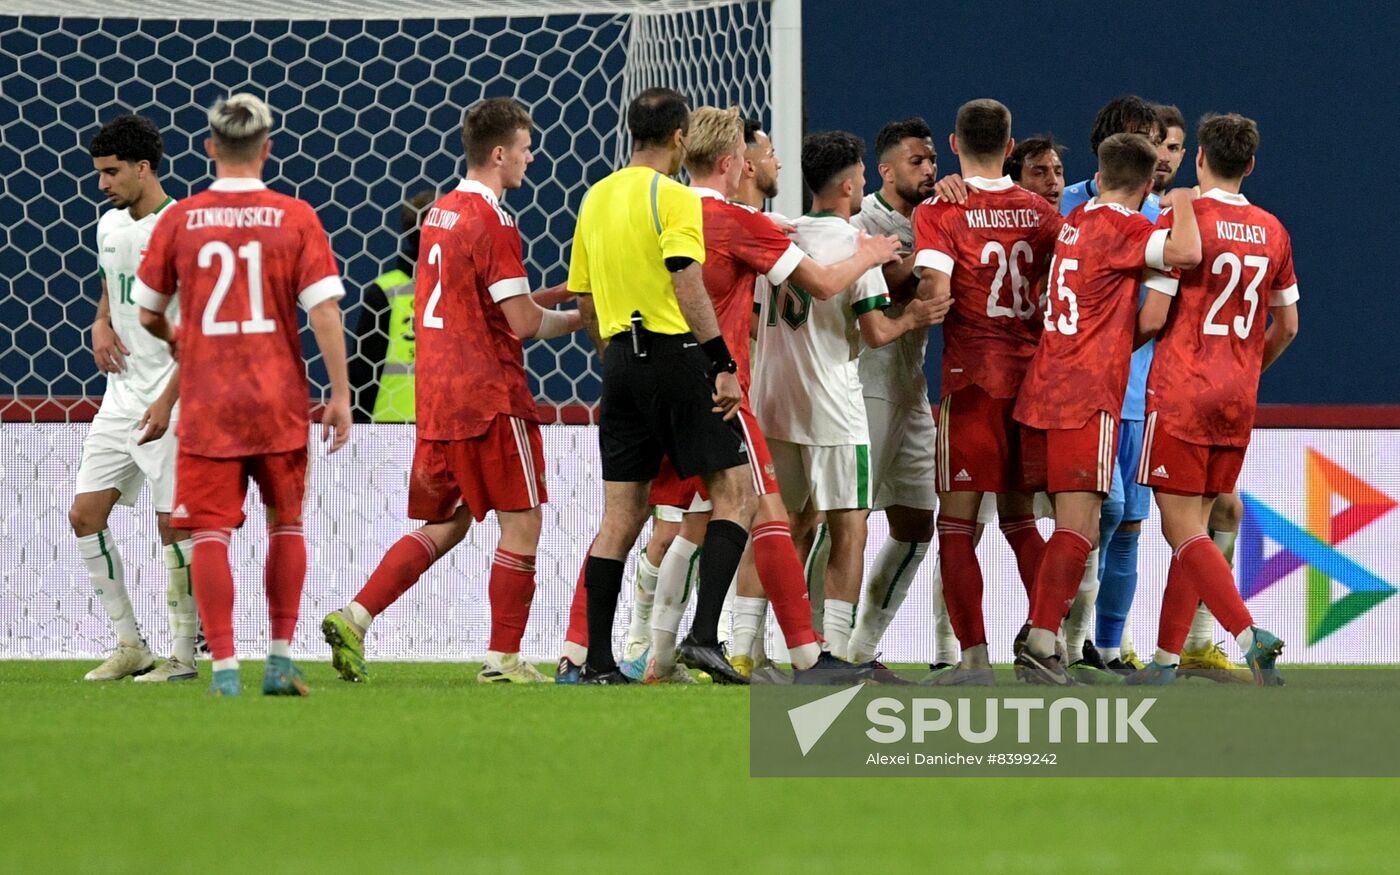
{"points": [[962, 579], [406, 561], [1202, 563], [1178, 609], [283, 578], [784, 581], [512, 588], [1058, 580], [578, 611], [1027, 544], [213, 589]]}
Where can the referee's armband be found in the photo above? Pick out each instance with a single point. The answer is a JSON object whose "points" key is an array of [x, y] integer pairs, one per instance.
{"points": [[678, 263]]}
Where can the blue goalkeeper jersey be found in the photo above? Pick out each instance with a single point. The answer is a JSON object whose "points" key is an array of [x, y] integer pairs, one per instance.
{"points": [[1135, 399]]}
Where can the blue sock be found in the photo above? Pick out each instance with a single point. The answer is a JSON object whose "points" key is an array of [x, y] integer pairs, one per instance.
{"points": [[1110, 516], [1117, 585]]}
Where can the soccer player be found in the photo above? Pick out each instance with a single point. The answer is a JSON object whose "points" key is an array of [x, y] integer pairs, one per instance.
{"points": [[740, 244], [1173, 145], [896, 392], [1037, 164], [990, 252], [1204, 386], [1072, 392], [479, 446], [807, 390], [131, 439], [242, 258]]}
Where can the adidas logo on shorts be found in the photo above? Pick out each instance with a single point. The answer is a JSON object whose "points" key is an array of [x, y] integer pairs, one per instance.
{"points": [[1160, 471], [963, 476], [180, 511]]}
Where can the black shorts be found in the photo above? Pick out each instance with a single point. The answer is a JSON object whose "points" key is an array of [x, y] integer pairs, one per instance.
{"points": [[661, 404]]}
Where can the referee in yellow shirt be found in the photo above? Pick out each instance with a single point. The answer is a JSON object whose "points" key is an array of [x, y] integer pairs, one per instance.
{"points": [[668, 377]]}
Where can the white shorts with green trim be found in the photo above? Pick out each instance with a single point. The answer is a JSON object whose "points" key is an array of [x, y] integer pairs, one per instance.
{"points": [[113, 460], [901, 454], [832, 478]]}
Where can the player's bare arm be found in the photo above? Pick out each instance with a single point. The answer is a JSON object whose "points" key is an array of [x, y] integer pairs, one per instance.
{"points": [[528, 319], [699, 314], [935, 286], [826, 281], [900, 279], [1183, 247], [878, 329], [326, 325], [1151, 317], [107, 348], [1283, 327], [553, 296], [156, 420]]}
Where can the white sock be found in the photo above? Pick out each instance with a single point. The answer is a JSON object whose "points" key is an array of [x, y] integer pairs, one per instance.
{"points": [[1245, 639], [673, 586], [644, 592], [104, 565], [497, 659], [279, 647], [838, 619], [726, 614], [1125, 644], [946, 642], [179, 598], [359, 615], [1040, 642], [1111, 653], [1162, 657], [1081, 611], [890, 577], [815, 569], [1226, 542], [757, 651], [976, 657], [748, 616], [1202, 634], [222, 664], [575, 653]]}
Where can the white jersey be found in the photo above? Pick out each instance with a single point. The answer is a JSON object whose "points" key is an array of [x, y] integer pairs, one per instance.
{"points": [[806, 380], [121, 241], [895, 371]]}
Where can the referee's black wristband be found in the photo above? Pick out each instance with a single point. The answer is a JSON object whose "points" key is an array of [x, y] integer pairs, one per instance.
{"points": [[720, 359]]}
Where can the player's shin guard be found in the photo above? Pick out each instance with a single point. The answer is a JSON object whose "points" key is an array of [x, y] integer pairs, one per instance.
{"points": [[213, 590], [814, 567], [1081, 613], [644, 596], [674, 581], [962, 579], [838, 620], [1027, 544], [283, 579], [890, 578], [179, 600], [780, 573], [104, 565], [1117, 588], [724, 547], [1202, 563], [397, 572], [1055, 588], [602, 578], [1178, 605], [511, 590], [748, 618]]}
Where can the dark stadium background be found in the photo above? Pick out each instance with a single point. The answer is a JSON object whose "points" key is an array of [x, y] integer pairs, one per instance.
{"points": [[1321, 87]]}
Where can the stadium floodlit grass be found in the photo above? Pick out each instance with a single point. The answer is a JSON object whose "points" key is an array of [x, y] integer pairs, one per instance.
{"points": [[423, 770]]}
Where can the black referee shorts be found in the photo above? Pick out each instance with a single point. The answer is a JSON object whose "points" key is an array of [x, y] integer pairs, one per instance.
{"points": [[661, 404]]}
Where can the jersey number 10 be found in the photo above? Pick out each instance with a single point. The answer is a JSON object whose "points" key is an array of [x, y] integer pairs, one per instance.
{"points": [[251, 256]]}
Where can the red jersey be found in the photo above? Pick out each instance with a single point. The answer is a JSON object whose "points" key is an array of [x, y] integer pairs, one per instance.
{"points": [[1204, 383], [470, 366], [996, 249], [242, 257], [1091, 301], [740, 244]]}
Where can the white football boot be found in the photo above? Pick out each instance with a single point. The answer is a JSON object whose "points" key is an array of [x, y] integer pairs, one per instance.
{"points": [[129, 659], [170, 670]]}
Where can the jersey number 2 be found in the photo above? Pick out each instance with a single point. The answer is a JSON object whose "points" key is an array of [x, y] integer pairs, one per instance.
{"points": [[1241, 324], [251, 254], [431, 319]]}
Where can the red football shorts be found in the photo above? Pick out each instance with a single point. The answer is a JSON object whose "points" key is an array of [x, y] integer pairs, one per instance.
{"points": [[1177, 467], [979, 443], [209, 492], [668, 490], [1071, 459], [500, 469]]}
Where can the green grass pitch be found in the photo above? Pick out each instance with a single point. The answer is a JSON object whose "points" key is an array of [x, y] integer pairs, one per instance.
{"points": [[423, 770]]}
